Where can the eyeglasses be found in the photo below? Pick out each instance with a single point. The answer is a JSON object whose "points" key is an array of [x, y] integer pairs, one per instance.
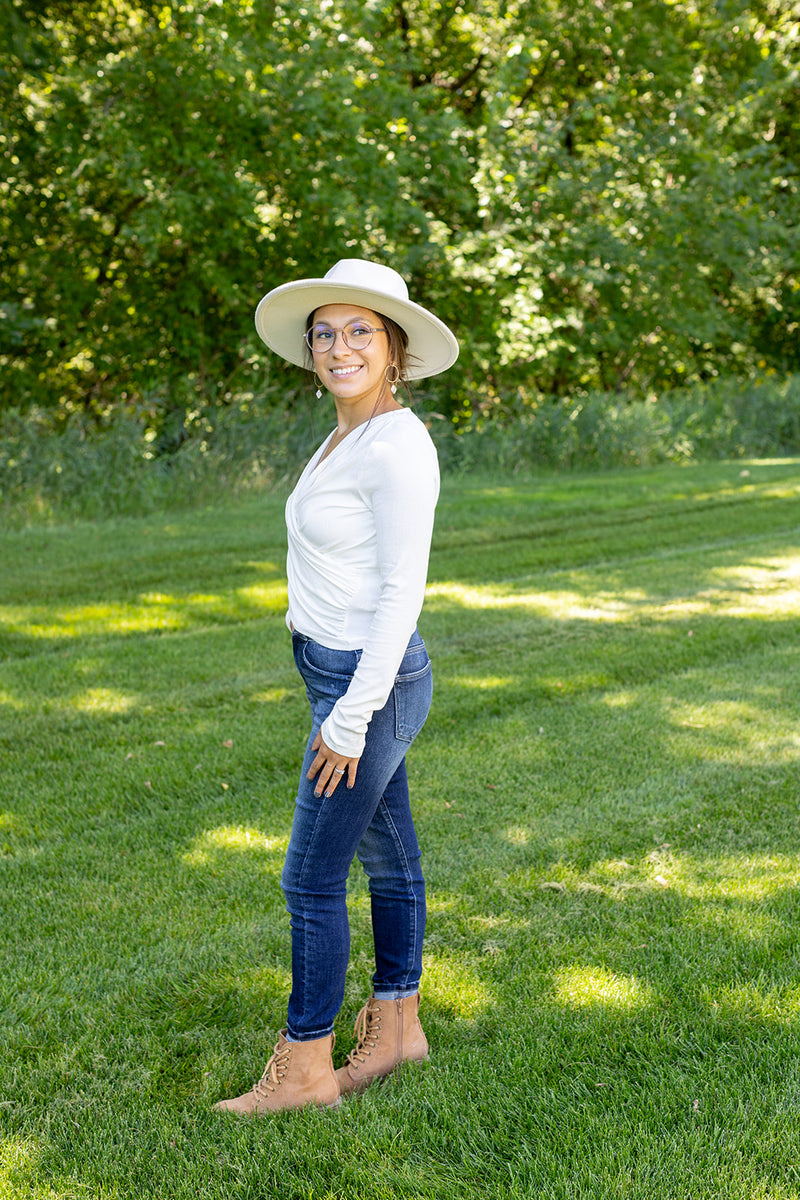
{"points": [[357, 335]]}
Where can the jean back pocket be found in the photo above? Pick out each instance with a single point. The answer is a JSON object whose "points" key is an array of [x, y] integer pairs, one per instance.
{"points": [[413, 693]]}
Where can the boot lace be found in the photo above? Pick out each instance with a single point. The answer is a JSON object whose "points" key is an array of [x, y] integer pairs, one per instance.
{"points": [[274, 1071], [367, 1031]]}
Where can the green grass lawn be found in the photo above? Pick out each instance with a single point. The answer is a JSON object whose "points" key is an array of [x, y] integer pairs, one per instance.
{"points": [[607, 799]]}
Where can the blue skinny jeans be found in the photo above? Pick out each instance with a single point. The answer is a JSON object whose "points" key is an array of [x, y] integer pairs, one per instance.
{"points": [[371, 820]]}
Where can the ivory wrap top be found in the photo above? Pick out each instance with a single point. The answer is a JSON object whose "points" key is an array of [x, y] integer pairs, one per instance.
{"points": [[359, 527]]}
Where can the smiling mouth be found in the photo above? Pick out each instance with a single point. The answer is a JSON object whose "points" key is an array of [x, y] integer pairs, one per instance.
{"points": [[342, 372]]}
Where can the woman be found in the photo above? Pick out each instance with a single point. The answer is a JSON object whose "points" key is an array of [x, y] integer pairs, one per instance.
{"points": [[359, 524]]}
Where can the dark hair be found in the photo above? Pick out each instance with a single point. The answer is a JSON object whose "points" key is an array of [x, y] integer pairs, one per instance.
{"points": [[398, 345]]}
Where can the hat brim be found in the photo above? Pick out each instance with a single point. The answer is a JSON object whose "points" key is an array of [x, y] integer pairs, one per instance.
{"points": [[282, 314]]}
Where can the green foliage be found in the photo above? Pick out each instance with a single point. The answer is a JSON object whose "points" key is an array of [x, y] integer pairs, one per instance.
{"points": [[596, 197]]}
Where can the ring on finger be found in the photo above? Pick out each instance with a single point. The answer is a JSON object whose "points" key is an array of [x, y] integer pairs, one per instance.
{"points": [[338, 770]]}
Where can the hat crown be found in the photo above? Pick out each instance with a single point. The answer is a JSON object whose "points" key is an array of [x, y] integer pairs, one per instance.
{"points": [[371, 276]]}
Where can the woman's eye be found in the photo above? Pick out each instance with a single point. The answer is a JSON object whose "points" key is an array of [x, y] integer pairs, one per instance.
{"points": [[359, 330]]}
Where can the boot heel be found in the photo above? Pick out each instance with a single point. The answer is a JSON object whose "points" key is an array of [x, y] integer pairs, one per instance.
{"points": [[387, 1032]]}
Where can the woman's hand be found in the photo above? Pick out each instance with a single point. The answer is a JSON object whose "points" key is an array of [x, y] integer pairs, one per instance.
{"points": [[330, 768]]}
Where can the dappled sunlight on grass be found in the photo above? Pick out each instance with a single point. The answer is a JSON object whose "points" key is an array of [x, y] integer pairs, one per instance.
{"points": [[717, 714], [613, 870], [728, 887], [595, 987], [746, 485], [12, 823], [269, 596], [729, 922], [745, 730], [755, 1001], [16, 1154], [97, 700], [265, 568], [761, 587], [152, 612], [37, 621], [237, 839], [270, 695], [745, 476], [733, 877], [441, 903], [763, 572], [613, 881], [499, 935], [718, 878], [553, 604], [456, 986], [768, 586], [18, 836], [620, 699], [482, 682]]}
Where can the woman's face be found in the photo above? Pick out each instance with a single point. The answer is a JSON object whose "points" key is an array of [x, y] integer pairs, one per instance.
{"points": [[352, 376]]}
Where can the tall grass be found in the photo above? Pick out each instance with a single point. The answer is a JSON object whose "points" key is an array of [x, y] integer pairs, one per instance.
{"points": [[53, 467], [728, 418]]}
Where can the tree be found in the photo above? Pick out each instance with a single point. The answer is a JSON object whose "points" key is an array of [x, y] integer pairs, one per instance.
{"points": [[596, 195]]}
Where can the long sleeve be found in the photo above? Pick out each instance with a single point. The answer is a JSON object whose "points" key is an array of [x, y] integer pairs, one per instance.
{"points": [[398, 480]]}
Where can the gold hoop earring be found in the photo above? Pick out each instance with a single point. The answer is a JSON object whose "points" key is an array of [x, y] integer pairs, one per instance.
{"points": [[319, 386], [395, 378]]}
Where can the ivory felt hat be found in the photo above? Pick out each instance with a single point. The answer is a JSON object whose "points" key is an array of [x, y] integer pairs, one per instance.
{"points": [[282, 314]]}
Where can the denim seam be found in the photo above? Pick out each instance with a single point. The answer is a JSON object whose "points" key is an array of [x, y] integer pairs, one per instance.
{"points": [[300, 892], [403, 857], [337, 675], [411, 676], [407, 732]]}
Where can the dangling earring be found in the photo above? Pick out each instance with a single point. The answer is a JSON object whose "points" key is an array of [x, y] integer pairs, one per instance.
{"points": [[319, 386], [395, 377]]}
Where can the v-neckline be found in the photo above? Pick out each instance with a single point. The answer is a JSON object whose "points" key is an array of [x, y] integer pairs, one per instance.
{"points": [[325, 453]]}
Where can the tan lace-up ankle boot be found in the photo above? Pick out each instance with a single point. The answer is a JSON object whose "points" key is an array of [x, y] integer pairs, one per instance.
{"points": [[298, 1073], [387, 1033]]}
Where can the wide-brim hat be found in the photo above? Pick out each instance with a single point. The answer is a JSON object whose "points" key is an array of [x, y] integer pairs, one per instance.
{"points": [[282, 314]]}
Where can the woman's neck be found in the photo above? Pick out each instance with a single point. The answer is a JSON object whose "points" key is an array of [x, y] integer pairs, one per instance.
{"points": [[349, 418]]}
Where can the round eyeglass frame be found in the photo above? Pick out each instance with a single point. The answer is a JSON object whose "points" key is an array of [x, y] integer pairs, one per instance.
{"points": [[309, 335]]}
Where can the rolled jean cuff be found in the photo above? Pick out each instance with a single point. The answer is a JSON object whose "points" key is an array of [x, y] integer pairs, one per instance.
{"points": [[314, 1036], [395, 993]]}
